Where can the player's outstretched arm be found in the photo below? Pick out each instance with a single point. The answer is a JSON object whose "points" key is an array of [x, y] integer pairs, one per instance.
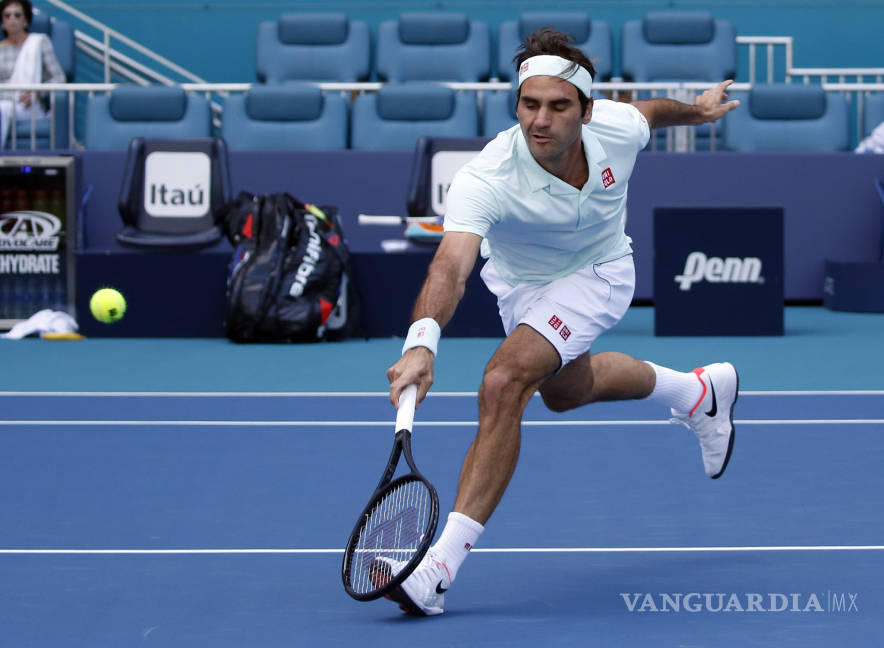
{"points": [[710, 106], [438, 298]]}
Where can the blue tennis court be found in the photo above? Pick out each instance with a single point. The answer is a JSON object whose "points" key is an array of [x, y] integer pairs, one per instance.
{"points": [[194, 492]]}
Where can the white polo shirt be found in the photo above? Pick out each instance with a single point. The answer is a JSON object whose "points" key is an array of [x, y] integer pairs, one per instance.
{"points": [[536, 227]]}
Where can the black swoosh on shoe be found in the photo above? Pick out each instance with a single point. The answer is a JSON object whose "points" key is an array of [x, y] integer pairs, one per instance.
{"points": [[714, 409], [730, 442]]}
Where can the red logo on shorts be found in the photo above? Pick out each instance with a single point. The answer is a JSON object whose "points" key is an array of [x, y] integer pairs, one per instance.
{"points": [[607, 177], [555, 322], [565, 333]]}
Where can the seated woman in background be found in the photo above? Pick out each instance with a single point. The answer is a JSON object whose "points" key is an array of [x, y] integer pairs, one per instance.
{"points": [[24, 58], [874, 143]]}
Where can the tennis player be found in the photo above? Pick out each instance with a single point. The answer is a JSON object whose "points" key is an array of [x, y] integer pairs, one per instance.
{"points": [[544, 203]]}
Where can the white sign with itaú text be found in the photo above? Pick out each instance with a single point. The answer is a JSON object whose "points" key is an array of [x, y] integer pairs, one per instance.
{"points": [[177, 184], [443, 167]]}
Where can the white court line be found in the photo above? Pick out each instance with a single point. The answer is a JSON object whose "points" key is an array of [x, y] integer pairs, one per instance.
{"points": [[360, 394], [506, 550], [556, 423]]}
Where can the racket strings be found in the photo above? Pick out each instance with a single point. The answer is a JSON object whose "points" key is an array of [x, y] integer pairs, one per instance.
{"points": [[394, 530]]}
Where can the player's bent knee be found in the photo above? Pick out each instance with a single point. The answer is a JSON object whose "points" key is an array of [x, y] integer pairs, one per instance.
{"points": [[497, 384], [500, 385]]}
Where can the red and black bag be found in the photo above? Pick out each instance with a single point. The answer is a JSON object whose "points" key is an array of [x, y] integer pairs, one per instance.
{"points": [[289, 278]]}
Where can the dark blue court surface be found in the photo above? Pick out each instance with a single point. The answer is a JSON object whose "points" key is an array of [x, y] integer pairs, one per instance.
{"points": [[175, 518]]}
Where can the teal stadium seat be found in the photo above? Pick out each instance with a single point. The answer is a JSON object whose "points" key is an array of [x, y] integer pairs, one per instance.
{"points": [[498, 111], [173, 205], [679, 46], [62, 36], [788, 117], [129, 111], [399, 114], [593, 37], [320, 46], [287, 116], [417, 48], [433, 46]]}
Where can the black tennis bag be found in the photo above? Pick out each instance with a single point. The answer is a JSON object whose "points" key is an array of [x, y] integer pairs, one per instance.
{"points": [[289, 278]]}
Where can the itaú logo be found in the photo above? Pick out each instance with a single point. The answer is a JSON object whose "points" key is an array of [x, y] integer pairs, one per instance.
{"points": [[29, 230], [177, 184], [698, 267]]}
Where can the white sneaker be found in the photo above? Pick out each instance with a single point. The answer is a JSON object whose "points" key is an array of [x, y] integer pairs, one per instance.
{"points": [[422, 593], [712, 418]]}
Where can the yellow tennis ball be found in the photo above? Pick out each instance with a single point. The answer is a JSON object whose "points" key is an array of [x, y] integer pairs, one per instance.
{"points": [[107, 305]]}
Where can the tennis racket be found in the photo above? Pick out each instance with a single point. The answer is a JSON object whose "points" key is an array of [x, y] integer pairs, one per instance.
{"points": [[387, 219], [396, 528]]}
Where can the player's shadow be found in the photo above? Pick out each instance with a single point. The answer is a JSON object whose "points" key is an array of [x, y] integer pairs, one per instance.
{"points": [[588, 584]]}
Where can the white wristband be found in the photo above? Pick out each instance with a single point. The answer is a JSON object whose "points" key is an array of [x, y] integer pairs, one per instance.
{"points": [[424, 332]]}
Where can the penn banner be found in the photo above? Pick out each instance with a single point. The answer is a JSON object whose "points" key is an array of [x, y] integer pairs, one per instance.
{"points": [[36, 236], [718, 271]]}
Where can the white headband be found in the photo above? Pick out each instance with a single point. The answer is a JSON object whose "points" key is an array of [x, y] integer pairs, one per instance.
{"points": [[556, 66]]}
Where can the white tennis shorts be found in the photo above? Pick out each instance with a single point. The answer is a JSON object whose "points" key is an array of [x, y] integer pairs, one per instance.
{"points": [[570, 312]]}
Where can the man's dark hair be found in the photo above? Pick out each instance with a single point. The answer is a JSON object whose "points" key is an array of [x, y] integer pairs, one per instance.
{"points": [[26, 8], [548, 41]]}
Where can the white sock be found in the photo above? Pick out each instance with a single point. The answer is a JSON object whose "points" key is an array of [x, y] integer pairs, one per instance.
{"points": [[679, 390], [458, 537]]}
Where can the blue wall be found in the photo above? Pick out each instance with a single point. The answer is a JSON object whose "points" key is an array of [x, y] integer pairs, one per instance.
{"points": [[216, 39], [832, 209], [829, 200]]}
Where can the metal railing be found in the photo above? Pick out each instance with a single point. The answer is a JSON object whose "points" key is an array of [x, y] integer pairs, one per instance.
{"points": [[101, 48], [770, 44], [774, 54], [855, 83]]}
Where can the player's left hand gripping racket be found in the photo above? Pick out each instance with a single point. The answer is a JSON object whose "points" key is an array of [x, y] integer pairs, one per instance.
{"points": [[398, 524]]}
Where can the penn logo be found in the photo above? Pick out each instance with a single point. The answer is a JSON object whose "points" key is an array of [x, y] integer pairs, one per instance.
{"points": [[698, 267]]}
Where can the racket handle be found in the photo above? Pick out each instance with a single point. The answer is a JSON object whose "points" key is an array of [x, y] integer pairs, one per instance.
{"points": [[405, 413]]}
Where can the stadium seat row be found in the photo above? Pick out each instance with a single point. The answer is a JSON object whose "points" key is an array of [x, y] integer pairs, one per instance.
{"points": [[436, 46], [292, 116], [448, 46]]}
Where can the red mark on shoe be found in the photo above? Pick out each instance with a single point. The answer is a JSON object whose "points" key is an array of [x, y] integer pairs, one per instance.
{"points": [[698, 372]]}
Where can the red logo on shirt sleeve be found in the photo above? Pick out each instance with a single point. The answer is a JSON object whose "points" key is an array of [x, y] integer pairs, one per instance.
{"points": [[555, 322], [607, 178], [565, 333]]}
